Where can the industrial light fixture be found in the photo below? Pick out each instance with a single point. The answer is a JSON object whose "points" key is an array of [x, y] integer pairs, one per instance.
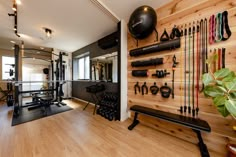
{"points": [[14, 8], [48, 32]]}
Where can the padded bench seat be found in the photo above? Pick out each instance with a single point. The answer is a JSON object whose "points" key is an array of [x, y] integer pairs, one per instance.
{"points": [[197, 125]]}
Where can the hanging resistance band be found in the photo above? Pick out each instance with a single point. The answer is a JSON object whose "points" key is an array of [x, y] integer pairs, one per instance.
{"points": [[218, 24], [181, 81], [185, 74], [212, 29], [225, 26], [189, 72], [223, 57], [206, 43], [202, 49], [193, 60], [198, 69], [219, 59]]}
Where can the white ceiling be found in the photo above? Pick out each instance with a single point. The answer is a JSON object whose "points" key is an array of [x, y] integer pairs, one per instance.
{"points": [[75, 23]]}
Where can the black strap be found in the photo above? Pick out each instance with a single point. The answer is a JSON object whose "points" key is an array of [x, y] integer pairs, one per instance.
{"points": [[225, 26], [164, 36], [223, 57]]}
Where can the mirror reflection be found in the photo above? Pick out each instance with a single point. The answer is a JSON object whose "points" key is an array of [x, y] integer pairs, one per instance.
{"points": [[104, 68]]}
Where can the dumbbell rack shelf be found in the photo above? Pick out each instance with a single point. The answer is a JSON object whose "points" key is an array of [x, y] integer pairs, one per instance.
{"points": [[108, 106]]}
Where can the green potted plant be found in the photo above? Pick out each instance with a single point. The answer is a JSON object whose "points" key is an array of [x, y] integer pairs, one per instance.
{"points": [[221, 87]]}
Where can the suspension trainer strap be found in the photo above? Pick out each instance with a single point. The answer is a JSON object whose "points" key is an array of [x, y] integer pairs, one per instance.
{"points": [[189, 72], [218, 24], [225, 26], [185, 74], [193, 60]]}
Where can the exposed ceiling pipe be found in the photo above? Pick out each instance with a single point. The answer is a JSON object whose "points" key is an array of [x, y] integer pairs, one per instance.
{"points": [[105, 10]]}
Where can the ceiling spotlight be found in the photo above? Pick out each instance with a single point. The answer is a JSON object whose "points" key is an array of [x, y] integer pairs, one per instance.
{"points": [[12, 48], [38, 52], [48, 32], [13, 42], [41, 48]]}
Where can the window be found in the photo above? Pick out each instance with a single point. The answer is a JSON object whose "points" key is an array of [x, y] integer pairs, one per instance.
{"points": [[81, 67], [7, 64]]}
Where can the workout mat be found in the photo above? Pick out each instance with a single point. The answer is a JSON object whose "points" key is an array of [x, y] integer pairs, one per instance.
{"points": [[27, 116]]}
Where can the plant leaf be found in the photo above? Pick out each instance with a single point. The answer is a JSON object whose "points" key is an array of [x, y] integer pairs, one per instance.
{"points": [[231, 85], [213, 91], [223, 110], [207, 79], [232, 95], [231, 106], [221, 73], [219, 100], [212, 58], [219, 82], [229, 77]]}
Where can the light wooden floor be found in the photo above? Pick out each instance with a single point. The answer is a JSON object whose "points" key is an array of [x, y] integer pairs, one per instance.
{"points": [[79, 133]]}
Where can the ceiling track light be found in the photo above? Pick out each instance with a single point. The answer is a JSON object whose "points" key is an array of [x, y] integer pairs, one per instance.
{"points": [[15, 17], [48, 32]]}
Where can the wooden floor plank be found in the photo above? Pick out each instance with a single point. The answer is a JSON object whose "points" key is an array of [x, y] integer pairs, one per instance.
{"points": [[80, 133]]}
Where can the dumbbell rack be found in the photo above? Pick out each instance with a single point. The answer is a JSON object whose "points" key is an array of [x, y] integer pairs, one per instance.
{"points": [[108, 106]]}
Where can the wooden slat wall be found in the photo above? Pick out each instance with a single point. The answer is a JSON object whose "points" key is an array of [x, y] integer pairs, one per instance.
{"points": [[181, 12]]}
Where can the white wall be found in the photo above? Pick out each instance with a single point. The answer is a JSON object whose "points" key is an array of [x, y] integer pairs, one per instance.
{"points": [[124, 53]]}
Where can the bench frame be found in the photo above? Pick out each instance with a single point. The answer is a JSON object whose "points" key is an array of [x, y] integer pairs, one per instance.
{"points": [[202, 146]]}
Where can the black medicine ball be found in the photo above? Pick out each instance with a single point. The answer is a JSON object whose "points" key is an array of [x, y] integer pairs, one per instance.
{"points": [[142, 22]]}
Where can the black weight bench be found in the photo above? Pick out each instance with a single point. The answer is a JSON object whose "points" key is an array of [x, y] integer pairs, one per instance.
{"points": [[197, 125]]}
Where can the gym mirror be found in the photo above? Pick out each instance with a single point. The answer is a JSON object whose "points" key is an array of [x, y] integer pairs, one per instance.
{"points": [[105, 68]]}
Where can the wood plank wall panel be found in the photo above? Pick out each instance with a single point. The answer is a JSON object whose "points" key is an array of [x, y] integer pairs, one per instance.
{"points": [[181, 12]]}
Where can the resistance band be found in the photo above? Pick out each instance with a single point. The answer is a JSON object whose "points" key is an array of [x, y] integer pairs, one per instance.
{"points": [[225, 26], [193, 57], [212, 29], [181, 79], [219, 59], [189, 81], [206, 43], [223, 57], [218, 23], [185, 74], [198, 69]]}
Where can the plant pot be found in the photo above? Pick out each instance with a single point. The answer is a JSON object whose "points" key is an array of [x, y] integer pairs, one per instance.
{"points": [[231, 150]]}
